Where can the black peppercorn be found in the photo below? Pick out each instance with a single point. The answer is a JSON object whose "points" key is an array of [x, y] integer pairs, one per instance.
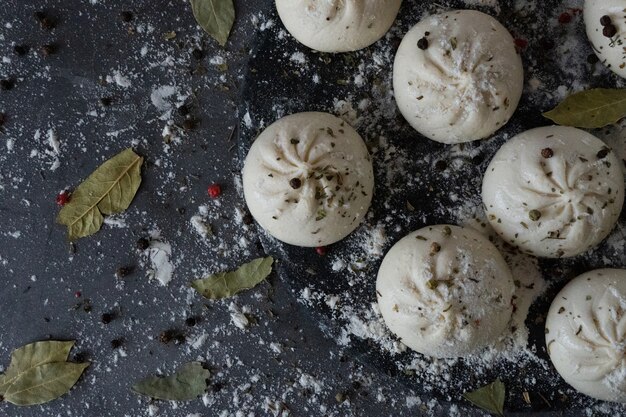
{"points": [[143, 244], [191, 321], [107, 318], [116, 343], [593, 59], [124, 271], [48, 50], [183, 110], [441, 165], [197, 54], [190, 124], [547, 153], [21, 50], [44, 20], [247, 219], [126, 16], [295, 183], [422, 43], [106, 101], [3, 119], [7, 84], [602, 153], [609, 31], [605, 20]]}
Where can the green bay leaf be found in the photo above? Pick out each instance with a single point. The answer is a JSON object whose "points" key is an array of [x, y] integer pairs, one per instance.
{"points": [[227, 284], [216, 17], [590, 109], [108, 190], [44, 383], [490, 398], [32, 355], [188, 383]]}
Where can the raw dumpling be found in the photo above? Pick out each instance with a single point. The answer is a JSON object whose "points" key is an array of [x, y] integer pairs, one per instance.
{"points": [[457, 76], [586, 334], [554, 191], [605, 21], [337, 25], [308, 179], [445, 291]]}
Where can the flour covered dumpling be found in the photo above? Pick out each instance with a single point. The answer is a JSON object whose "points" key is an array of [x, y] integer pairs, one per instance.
{"points": [[457, 76], [554, 191], [308, 179], [337, 25], [445, 291], [586, 334], [605, 21]]}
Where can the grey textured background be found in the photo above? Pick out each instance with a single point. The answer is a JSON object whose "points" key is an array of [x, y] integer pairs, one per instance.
{"points": [[58, 92]]}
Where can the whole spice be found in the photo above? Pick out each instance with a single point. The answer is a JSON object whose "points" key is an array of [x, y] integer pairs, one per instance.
{"points": [[7, 84], [63, 198], [565, 18], [441, 165], [106, 101], [547, 153], [190, 124], [422, 43], [295, 183], [534, 215], [48, 50], [143, 244], [3, 119], [321, 250], [126, 16], [197, 54], [44, 20], [191, 321], [605, 20], [107, 318], [602, 153], [21, 50], [609, 31], [214, 190], [116, 343], [521, 44], [124, 271]]}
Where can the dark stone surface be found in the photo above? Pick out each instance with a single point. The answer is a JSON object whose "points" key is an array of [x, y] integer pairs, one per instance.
{"points": [[45, 285]]}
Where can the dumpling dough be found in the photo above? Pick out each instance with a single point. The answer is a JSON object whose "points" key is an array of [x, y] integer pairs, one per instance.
{"points": [[445, 291], [308, 179], [586, 334], [457, 76], [554, 191], [337, 25], [610, 49]]}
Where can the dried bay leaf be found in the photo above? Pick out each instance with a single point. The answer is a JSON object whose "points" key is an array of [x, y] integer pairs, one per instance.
{"points": [[188, 383], [590, 109], [44, 383], [216, 17], [490, 398], [39, 372], [108, 190], [227, 284], [32, 355]]}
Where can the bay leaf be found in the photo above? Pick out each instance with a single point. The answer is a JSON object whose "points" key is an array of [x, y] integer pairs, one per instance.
{"points": [[216, 17], [44, 383], [227, 284], [590, 109], [108, 190], [490, 398], [32, 355], [188, 383]]}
